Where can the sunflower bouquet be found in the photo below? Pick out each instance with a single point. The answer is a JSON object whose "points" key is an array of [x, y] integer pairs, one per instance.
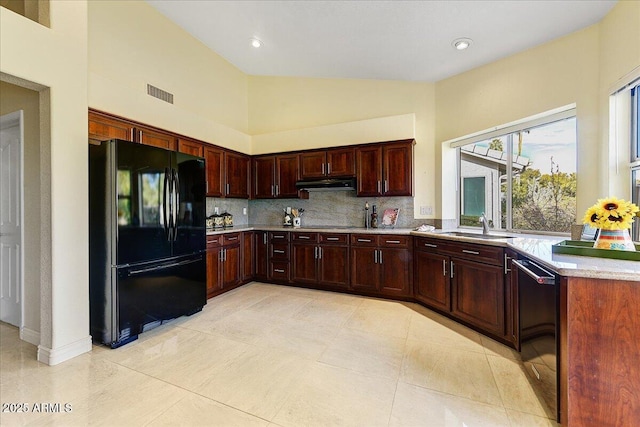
{"points": [[611, 214]]}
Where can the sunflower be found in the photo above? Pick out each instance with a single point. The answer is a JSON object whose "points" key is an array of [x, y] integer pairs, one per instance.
{"points": [[611, 214]]}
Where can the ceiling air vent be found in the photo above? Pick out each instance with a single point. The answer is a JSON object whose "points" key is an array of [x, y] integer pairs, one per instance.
{"points": [[160, 94]]}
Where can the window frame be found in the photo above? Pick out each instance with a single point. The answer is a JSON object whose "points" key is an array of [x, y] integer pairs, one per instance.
{"points": [[506, 132]]}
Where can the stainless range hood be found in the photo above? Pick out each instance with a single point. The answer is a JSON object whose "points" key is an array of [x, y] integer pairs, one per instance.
{"points": [[331, 184]]}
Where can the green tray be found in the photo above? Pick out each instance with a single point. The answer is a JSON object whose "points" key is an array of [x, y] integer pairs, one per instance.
{"points": [[582, 248]]}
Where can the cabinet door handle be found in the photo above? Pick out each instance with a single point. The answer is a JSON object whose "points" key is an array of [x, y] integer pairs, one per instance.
{"points": [[364, 240], [278, 251], [221, 256], [430, 245], [319, 252], [228, 188], [506, 264], [304, 237], [140, 136], [380, 256], [315, 252], [278, 270], [278, 236], [232, 238], [466, 251], [375, 257], [378, 187], [444, 267], [386, 186], [333, 238], [328, 168], [264, 238], [272, 193], [392, 241], [207, 183], [323, 169], [451, 269], [277, 190]]}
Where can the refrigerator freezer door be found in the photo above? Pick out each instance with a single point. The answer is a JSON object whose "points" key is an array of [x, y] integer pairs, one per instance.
{"points": [[147, 294], [190, 236]]}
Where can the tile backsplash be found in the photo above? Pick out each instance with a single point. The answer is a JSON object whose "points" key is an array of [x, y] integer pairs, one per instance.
{"points": [[333, 208]]}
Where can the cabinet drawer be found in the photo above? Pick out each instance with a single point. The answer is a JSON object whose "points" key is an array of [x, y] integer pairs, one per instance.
{"points": [[230, 238], [302, 237], [278, 236], [364, 240], [394, 241], [279, 271], [279, 251], [481, 253], [213, 241], [334, 238], [432, 245]]}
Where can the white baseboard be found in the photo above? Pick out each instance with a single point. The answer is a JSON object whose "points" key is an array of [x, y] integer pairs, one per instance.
{"points": [[30, 336], [57, 355]]}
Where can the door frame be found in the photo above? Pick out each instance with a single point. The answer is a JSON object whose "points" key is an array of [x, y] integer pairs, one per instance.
{"points": [[16, 118]]}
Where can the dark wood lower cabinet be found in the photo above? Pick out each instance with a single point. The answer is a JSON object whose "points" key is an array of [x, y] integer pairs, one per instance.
{"points": [[224, 263], [395, 271], [304, 263], [333, 266], [477, 294], [248, 270], [365, 270], [261, 255], [431, 280]]}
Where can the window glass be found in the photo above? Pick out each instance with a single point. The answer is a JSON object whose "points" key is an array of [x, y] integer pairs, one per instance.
{"points": [[525, 180]]}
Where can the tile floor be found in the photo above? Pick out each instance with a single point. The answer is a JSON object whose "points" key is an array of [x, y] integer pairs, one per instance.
{"points": [[267, 355]]}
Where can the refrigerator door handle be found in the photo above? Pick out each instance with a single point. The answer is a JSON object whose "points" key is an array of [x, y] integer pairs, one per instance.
{"points": [[176, 195], [162, 267], [165, 204]]}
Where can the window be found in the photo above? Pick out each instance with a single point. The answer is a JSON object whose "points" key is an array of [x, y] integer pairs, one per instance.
{"points": [[523, 179], [635, 156]]}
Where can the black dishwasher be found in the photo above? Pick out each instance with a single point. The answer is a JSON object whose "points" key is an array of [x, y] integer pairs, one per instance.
{"points": [[538, 325]]}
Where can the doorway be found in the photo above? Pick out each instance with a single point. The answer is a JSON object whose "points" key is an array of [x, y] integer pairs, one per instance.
{"points": [[11, 223]]}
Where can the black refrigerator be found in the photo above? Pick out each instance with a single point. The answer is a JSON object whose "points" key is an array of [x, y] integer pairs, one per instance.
{"points": [[147, 238]]}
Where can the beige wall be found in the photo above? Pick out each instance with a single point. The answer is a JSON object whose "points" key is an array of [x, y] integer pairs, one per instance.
{"points": [[15, 98], [55, 61], [132, 45]]}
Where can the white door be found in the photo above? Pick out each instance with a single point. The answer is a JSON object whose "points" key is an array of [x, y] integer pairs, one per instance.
{"points": [[11, 218]]}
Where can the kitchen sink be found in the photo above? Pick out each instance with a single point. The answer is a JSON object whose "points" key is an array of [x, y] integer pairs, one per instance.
{"points": [[475, 235]]}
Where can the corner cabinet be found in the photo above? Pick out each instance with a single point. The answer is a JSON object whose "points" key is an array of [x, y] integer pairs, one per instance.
{"points": [[385, 169]]}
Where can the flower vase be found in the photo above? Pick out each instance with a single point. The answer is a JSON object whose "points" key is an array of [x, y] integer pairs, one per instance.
{"points": [[614, 239]]}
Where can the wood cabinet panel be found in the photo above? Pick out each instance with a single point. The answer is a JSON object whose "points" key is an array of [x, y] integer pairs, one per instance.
{"points": [[213, 158], [313, 165], [156, 138], [333, 266], [190, 147], [286, 176], [398, 169], [104, 128], [231, 266], [365, 271], [261, 254], [395, 276], [237, 175], [477, 294], [431, 279], [303, 263], [341, 162], [248, 270], [264, 177], [214, 279], [369, 171]]}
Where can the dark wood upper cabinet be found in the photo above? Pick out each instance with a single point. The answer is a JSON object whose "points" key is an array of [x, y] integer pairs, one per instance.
{"points": [[341, 162], [213, 158], [237, 175], [313, 165], [188, 146], [332, 163], [369, 170], [275, 176], [264, 183], [155, 138], [385, 169], [103, 128], [286, 176]]}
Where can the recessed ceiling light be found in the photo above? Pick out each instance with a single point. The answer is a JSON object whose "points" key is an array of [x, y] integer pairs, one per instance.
{"points": [[256, 42], [461, 44]]}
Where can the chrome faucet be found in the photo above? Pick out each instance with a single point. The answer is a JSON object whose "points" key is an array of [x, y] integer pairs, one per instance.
{"points": [[485, 223]]}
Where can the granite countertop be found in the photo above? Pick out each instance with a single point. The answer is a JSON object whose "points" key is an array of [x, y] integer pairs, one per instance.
{"points": [[538, 248], [313, 229]]}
